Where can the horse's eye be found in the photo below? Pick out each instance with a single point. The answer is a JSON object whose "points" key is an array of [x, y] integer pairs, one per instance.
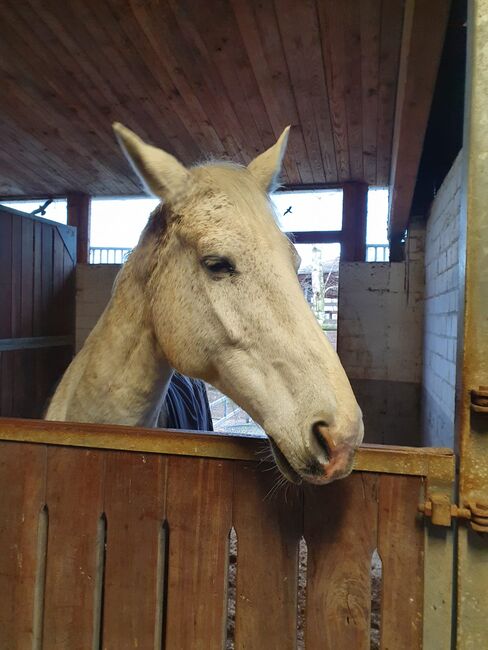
{"points": [[218, 266]]}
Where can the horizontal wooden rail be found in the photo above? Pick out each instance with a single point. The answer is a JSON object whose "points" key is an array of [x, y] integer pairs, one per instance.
{"points": [[316, 236], [35, 342], [434, 463]]}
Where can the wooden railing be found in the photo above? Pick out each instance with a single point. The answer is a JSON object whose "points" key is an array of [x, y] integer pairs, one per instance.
{"points": [[118, 537], [108, 255], [377, 253]]}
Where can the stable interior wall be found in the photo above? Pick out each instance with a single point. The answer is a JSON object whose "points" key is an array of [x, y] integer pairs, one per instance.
{"points": [[380, 325], [441, 311], [94, 284]]}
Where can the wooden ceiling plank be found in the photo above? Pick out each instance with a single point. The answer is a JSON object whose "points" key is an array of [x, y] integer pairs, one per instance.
{"points": [[113, 102], [422, 41], [28, 151], [353, 87], [262, 43], [370, 18], [165, 51], [143, 58], [28, 147], [242, 105], [331, 18], [69, 78], [247, 119], [15, 176], [60, 95], [300, 35], [391, 29], [51, 129], [220, 43], [122, 64]]}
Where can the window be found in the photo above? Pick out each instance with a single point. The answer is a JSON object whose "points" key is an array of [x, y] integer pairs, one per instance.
{"points": [[314, 210], [55, 211], [116, 225], [377, 246]]}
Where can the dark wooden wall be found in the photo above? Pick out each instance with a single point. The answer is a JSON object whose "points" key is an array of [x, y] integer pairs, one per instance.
{"points": [[37, 303]]}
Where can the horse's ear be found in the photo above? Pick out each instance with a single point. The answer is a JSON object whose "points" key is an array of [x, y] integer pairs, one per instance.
{"points": [[267, 166], [160, 172]]}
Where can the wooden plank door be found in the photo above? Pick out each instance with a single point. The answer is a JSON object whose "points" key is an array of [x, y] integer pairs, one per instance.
{"points": [[37, 295]]}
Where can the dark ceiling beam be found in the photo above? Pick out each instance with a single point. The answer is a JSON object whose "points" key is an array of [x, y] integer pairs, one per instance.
{"points": [[424, 28]]}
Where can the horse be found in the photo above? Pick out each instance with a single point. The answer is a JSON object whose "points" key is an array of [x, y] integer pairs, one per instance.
{"points": [[211, 290]]}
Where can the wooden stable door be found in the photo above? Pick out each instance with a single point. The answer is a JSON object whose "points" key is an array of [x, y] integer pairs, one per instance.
{"points": [[120, 538], [37, 307]]}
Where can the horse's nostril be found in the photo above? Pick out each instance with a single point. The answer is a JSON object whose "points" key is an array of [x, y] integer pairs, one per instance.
{"points": [[321, 432]]}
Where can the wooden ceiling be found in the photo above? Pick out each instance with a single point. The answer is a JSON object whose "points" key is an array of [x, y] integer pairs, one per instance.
{"points": [[198, 78]]}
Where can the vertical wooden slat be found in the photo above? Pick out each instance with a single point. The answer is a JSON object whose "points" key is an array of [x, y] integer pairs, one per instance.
{"points": [[27, 277], [199, 497], [16, 276], [46, 279], [58, 307], [268, 532], [37, 281], [5, 274], [74, 499], [22, 481], [135, 488], [400, 546], [340, 531]]}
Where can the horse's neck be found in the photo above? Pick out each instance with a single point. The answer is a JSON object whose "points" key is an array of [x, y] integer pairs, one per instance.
{"points": [[120, 376]]}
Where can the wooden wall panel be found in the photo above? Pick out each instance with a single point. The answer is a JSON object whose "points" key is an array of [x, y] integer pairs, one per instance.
{"points": [[134, 504], [37, 294], [75, 501], [340, 530], [199, 497], [136, 554], [400, 546], [22, 483], [266, 600]]}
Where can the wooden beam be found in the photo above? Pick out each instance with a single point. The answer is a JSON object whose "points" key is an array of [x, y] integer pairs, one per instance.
{"points": [[435, 463], [79, 216], [316, 237], [354, 213], [423, 35]]}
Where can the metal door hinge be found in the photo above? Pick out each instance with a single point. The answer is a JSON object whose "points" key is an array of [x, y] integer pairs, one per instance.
{"points": [[479, 400], [441, 511]]}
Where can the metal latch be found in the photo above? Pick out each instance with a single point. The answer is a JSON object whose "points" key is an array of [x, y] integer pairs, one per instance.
{"points": [[441, 511], [479, 400]]}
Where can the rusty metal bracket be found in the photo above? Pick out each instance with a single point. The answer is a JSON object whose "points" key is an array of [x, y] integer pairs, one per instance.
{"points": [[479, 400], [441, 511]]}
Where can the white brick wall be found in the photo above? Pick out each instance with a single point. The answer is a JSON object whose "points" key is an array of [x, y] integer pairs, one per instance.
{"points": [[94, 284], [381, 317], [380, 341], [441, 309]]}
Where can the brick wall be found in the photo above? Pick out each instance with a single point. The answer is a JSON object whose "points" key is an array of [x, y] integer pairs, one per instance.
{"points": [[441, 307], [380, 341], [93, 289]]}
